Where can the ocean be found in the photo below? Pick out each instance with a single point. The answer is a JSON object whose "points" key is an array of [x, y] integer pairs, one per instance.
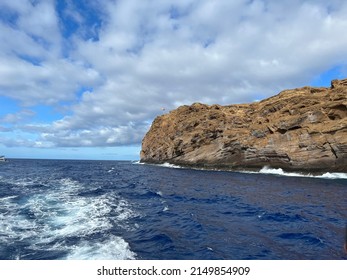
{"points": [[70, 209]]}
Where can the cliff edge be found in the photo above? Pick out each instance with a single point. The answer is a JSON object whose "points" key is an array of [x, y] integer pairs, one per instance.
{"points": [[302, 129]]}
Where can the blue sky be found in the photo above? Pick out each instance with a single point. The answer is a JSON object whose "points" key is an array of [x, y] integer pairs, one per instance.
{"points": [[85, 79]]}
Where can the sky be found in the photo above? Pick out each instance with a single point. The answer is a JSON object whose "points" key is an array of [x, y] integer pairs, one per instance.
{"points": [[85, 79]]}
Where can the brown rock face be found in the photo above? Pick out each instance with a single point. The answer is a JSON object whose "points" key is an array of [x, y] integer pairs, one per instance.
{"points": [[301, 129]]}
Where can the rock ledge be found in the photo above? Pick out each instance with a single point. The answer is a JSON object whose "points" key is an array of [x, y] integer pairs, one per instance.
{"points": [[302, 129]]}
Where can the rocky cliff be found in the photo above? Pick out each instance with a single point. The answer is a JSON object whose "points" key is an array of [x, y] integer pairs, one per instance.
{"points": [[301, 129]]}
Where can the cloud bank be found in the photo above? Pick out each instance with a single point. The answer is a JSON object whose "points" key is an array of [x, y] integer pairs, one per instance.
{"points": [[106, 68]]}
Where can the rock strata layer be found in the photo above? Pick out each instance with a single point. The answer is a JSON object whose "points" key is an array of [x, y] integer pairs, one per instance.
{"points": [[301, 129]]}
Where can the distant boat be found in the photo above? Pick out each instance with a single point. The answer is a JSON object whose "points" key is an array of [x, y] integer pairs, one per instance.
{"points": [[2, 158]]}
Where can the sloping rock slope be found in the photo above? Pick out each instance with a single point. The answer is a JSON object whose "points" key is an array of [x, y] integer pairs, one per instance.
{"points": [[301, 129]]}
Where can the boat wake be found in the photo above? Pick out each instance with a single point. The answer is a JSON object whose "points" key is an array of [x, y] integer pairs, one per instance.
{"points": [[65, 220]]}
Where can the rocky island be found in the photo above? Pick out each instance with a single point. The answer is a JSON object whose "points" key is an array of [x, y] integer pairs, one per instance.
{"points": [[303, 129]]}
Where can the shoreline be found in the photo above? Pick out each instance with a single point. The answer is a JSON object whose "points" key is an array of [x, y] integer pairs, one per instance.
{"points": [[265, 170]]}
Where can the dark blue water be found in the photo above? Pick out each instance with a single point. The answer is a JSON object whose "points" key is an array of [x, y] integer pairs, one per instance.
{"points": [[56, 209]]}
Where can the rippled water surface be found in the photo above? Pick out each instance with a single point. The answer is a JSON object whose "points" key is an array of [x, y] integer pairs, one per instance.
{"points": [[56, 209]]}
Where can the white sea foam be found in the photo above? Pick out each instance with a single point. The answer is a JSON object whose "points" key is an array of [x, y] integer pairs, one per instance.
{"points": [[123, 210], [160, 193], [59, 213], [114, 248], [279, 171], [169, 165], [334, 175], [7, 197], [165, 164], [111, 170], [268, 170]]}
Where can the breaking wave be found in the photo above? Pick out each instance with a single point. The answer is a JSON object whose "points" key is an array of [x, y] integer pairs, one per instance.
{"points": [[279, 171], [169, 165], [165, 164], [265, 170]]}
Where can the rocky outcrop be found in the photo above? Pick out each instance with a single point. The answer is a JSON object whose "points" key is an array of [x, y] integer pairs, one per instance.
{"points": [[301, 129]]}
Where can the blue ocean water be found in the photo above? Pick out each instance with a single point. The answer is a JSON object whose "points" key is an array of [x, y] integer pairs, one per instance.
{"points": [[65, 209]]}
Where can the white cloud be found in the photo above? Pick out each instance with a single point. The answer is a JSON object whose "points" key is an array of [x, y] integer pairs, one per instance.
{"points": [[15, 118], [33, 69], [153, 54], [40, 21]]}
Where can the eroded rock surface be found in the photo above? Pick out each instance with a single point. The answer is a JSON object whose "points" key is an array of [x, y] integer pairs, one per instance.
{"points": [[301, 129]]}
